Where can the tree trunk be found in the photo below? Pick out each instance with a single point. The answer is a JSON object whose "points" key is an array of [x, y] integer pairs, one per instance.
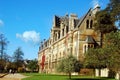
{"points": [[101, 39], [111, 73], [99, 72], [94, 72], [119, 75], [70, 75]]}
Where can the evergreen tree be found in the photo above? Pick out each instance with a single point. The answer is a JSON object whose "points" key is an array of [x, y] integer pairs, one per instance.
{"points": [[113, 49], [33, 65], [69, 65], [18, 57], [104, 22], [95, 59], [114, 9]]}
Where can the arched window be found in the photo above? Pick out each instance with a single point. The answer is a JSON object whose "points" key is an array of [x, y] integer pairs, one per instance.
{"points": [[55, 36], [75, 51], [62, 32], [59, 35], [63, 53], [91, 23], [92, 45], [67, 29], [53, 57], [88, 46], [56, 58], [85, 49], [60, 56], [87, 24]]}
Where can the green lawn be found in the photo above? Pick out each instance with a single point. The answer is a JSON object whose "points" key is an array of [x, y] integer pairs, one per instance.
{"points": [[37, 76]]}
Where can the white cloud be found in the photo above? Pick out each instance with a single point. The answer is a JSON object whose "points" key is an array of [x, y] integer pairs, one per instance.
{"points": [[1, 23], [29, 36]]}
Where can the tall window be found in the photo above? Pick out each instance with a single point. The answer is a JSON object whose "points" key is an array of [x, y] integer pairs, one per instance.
{"points": [[56, 57], [62, 32], [60, 56], [91, 23], [52, 57], [59, 35], [55, 36], [87, 24], [85, 49], [67, 29]]}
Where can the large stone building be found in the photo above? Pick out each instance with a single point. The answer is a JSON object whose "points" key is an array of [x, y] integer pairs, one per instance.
{"points": [[69, 35]]}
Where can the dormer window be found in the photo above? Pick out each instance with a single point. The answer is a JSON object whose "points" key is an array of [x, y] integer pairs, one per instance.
{"points": [[89, 43]]}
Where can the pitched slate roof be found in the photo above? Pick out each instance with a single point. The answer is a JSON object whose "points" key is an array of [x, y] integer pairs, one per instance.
{"points": [[57, 21], [89, 39]]}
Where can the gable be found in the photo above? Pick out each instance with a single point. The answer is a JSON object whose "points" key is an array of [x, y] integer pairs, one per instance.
{"points": [[83, 18]]}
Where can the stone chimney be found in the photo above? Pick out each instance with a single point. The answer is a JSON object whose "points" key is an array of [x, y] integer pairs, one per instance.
{"points": [[71, 21], [96, 8]]}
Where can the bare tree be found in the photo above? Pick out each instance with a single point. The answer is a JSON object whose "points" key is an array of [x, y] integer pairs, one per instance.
{"points": [[3, 44]]}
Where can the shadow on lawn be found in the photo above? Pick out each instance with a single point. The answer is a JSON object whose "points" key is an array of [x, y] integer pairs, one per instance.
{"points": [[87, 79]]}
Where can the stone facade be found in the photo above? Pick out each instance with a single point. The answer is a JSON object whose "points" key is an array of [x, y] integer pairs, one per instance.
{"points": [[69, 35]]}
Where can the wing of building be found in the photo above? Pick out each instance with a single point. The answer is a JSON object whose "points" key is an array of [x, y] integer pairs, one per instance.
{"points": [[69, 35]]}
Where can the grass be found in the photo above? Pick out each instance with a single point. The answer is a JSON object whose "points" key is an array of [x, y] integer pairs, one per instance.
{"points": [[37, 76]]}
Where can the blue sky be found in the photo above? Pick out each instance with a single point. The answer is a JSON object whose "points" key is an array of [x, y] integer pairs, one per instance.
{"points": [[26, 22]]}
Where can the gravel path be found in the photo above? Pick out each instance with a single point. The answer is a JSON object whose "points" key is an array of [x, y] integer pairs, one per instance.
{"points": [[15, 76]]}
